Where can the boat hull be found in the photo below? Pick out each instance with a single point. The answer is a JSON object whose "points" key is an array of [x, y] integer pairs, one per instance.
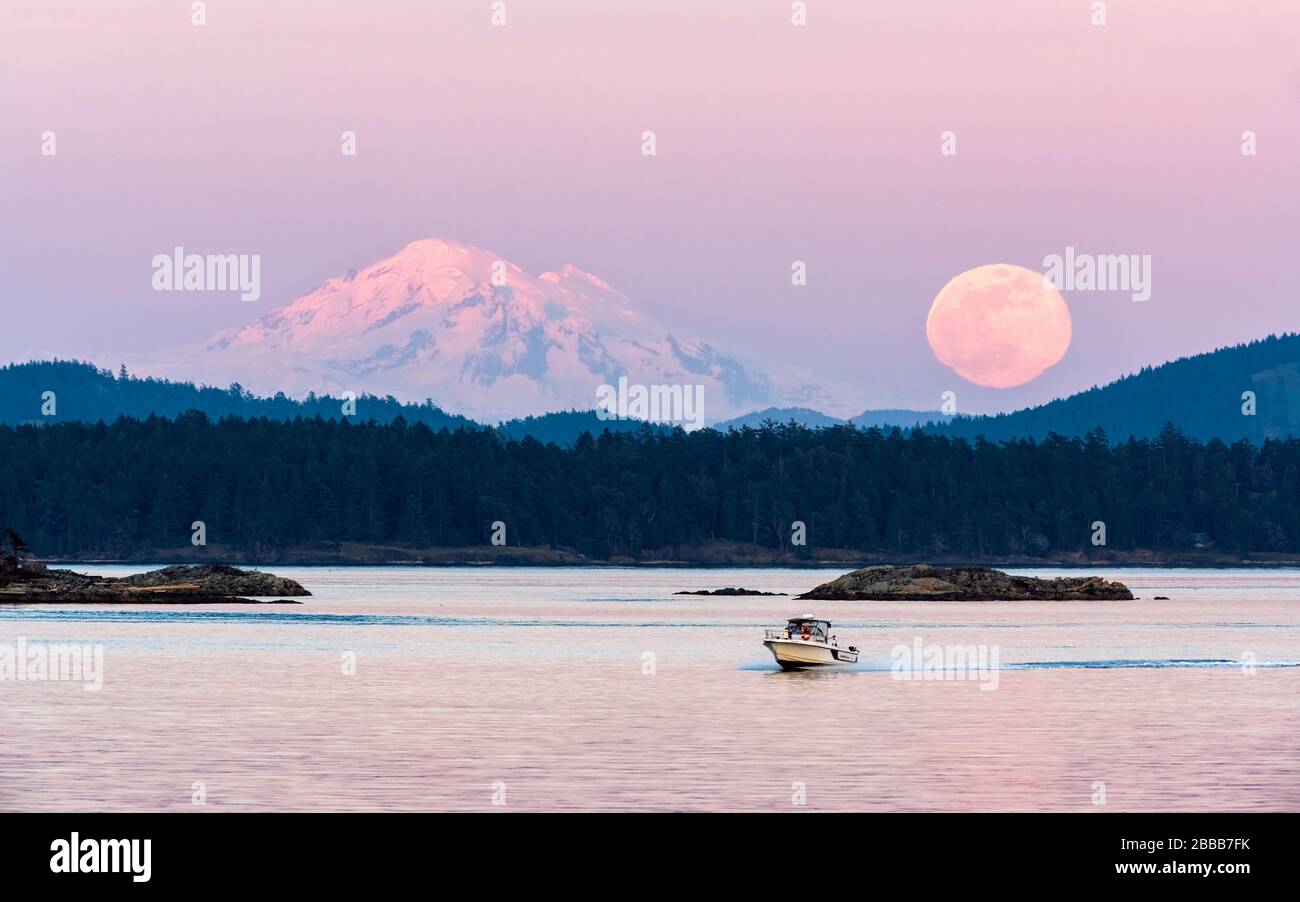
{"points": [[795, 654]]}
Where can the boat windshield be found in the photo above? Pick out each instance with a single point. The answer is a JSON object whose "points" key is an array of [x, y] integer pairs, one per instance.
{"points": [[817, 629]]}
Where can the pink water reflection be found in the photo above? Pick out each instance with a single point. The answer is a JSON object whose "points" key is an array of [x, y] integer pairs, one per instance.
{"points": [[535, 679]]}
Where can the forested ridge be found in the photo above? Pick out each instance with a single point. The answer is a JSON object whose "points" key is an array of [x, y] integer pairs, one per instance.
{"points": [[1204, 395], [260, 484], [82, 391]]}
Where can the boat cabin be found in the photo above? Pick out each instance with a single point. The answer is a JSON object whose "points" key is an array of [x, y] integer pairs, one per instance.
{"points": [[814, 629]]}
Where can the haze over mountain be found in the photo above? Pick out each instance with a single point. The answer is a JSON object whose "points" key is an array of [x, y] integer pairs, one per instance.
{"points": [[813, 419], [481, 337]]}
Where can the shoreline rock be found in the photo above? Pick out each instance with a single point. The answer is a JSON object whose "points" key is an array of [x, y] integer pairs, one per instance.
{"points": [[727, 591], [922, 582], [34, 583]]}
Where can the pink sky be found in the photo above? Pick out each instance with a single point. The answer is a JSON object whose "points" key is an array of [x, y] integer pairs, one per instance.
{"points": [[775, 143]]}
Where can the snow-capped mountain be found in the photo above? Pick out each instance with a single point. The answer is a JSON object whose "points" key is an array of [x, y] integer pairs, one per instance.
{"points": [[479, 336]]}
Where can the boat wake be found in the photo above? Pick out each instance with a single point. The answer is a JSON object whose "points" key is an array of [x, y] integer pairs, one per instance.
{"points": [[1120, 664], [1143, 663]]}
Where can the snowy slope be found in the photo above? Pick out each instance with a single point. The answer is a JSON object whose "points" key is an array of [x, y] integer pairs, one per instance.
{"points": [[431, 321]]}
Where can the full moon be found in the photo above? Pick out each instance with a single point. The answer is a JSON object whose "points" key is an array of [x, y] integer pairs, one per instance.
{"points": [[999, 325]]}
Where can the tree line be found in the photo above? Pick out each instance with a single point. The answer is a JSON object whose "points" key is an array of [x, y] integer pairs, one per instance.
{"points": [[261, 484], [50, 391], [1247, 391]]}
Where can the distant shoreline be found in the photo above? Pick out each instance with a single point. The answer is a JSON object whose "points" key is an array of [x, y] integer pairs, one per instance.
{"points": [[708, 557]]}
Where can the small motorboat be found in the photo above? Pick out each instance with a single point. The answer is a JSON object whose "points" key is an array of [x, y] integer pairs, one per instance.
{"points": [[807, 642]]}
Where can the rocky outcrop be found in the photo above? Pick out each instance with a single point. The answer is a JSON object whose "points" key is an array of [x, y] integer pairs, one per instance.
{"points": [[33, 583], [922, 582]]}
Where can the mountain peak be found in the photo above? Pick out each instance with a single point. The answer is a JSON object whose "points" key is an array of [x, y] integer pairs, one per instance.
{"points": [[426, 251], [431, 321]]}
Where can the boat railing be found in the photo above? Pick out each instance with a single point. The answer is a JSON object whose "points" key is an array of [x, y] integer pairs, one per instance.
{"points": [[786, 634]]}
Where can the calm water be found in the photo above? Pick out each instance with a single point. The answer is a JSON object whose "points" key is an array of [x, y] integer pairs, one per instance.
{"points": [[600, 689]]}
